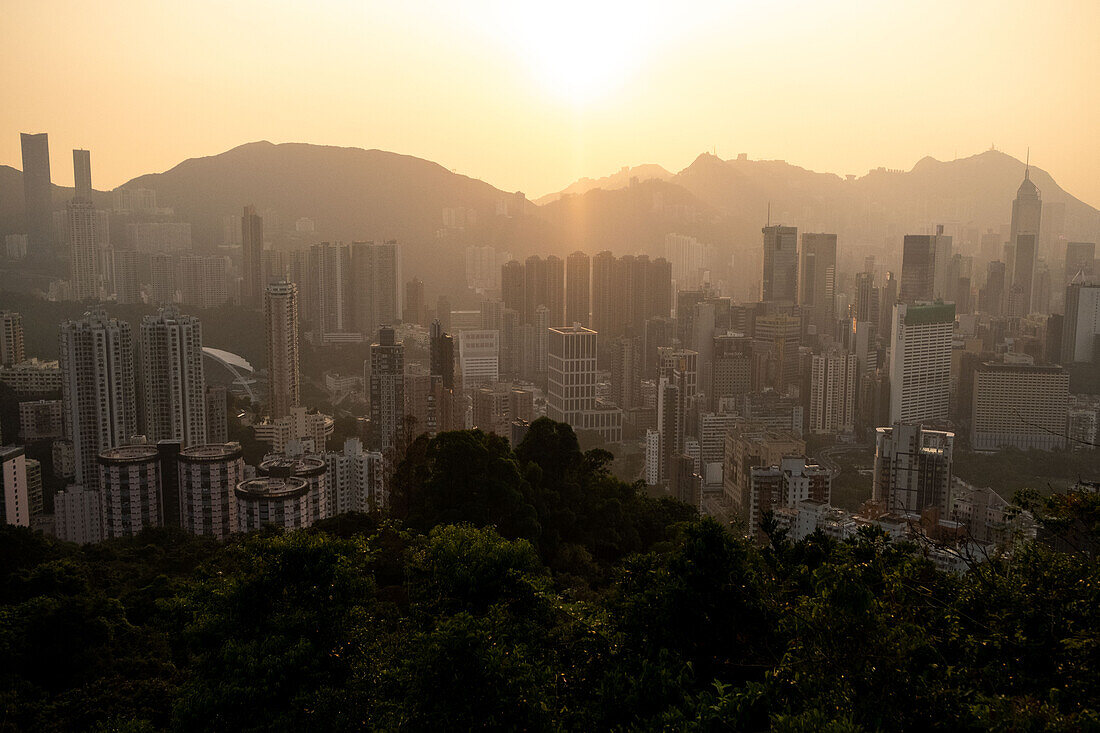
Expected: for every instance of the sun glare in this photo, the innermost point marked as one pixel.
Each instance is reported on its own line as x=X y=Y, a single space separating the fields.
x=581 y=51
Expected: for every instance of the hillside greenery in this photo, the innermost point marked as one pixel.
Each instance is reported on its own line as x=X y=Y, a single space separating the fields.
x=531 y=589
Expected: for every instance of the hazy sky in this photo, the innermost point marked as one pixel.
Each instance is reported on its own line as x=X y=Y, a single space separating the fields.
x=530 y=96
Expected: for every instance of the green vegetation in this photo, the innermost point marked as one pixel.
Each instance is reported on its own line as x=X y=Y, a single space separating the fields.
x=1011 y=470
x=531 y=589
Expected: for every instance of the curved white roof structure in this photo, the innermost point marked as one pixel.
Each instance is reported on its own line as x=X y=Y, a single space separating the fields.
x=236 y=364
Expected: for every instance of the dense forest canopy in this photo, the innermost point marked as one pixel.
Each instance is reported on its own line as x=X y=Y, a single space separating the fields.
x=530 y=589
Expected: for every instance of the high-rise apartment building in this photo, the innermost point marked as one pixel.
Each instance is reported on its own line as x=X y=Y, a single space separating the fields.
x=173 y=385
x=77 y=515
x=1081 y=327
x=779 y=283
x=626 y=372
x=37 y=192
x=11 y=338
x=784 y=484
x=912 y=468
x=376 y=280
x=252 y=248
x=833 y=380
x=920 y=362
x=15 y=502
x=415 y=310
x=1019 y=406
x=84 y=259
x=330 y=289
x=387 y=388
x=129 y=484
x=817 y=280
x=571 y=383
x=281 y=329
x=217 y=407
x=208 y=474
x=578 y=286
x=96 y=354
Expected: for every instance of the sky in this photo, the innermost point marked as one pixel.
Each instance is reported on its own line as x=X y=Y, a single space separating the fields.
x=531 y=96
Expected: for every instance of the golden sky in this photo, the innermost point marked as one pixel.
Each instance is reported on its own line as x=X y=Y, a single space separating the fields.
x=530 y=96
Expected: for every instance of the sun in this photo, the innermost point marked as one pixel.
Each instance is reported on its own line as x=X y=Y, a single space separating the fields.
x=580 y=51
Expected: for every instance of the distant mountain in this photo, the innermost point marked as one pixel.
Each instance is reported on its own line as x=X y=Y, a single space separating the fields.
x=615 y=181
x=350 y=193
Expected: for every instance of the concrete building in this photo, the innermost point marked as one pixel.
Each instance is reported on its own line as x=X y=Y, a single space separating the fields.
x=784 y=484
x=313 y=470
x=776 y=340
x=85 y=276
x=266 y=500
x=40 y=420
x=578 y=288
x=387 y=388
x=32 y=376
x=15 y=507
x=203 y=281
x=252 y=247
x=281 y=328
x=129 y=481
x=1027 y=210
x=376 y=285
x=753 y=444
x=779 y=283
x=1019 y=406
x=571 y=384
x=98 y=399
x=309 y=428
x=912 y=468
x=924 y=265
x=479 y=358
x=172 y=380
x=920 y=361
x=77 y=515
x=817 y=281
x=1081 y=327
x=11 y=338
x=35 y=497
x=833 y=382
x=626 y=372
x=217 y=423
x=37 y=192
x=208 y=475
x=356 y=479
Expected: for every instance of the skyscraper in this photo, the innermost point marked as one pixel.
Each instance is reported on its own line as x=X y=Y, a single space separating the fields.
x=1027 y=210
x=387 y=388
x=281 y=328
x=817 y=280
x=331 y=289
x=912 y=468
x=920 y=362
x=1019 y=405
x=603 y=294
x=1081 y=328
x=37 y=191
x=11 y=338
x=924 y=262
x=172 y=381
x=776 y=338
x=84 y=235
x=779 y=283
x=578 y=283
x=415 y=310
x=252 y=247
x=626 y=372
x=82 y=174
x=833 y=392
x=511 y=287
x=376 y=272
x=571 y=383
x=96 y=354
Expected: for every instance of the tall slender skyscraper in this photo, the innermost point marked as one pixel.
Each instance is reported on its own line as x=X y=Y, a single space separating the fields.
x=252 y=248
x=779 y=283
x=173 y=386
x=511 y=286
x=603 y=293
x=96 y=355
x=578 y=283
x=37 y=191
x=281 y=327
x=82 y=174
x=817 y=280
x=924 y=262
x=1027 y=210
x=387 y=388
x=84 y=278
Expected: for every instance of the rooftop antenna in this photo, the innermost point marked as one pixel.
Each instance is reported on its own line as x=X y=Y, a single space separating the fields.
x=769 y=213
x=1027 y=164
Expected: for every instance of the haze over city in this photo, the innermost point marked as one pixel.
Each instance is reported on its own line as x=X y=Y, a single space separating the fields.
x=570 y=366
x=531 y=97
